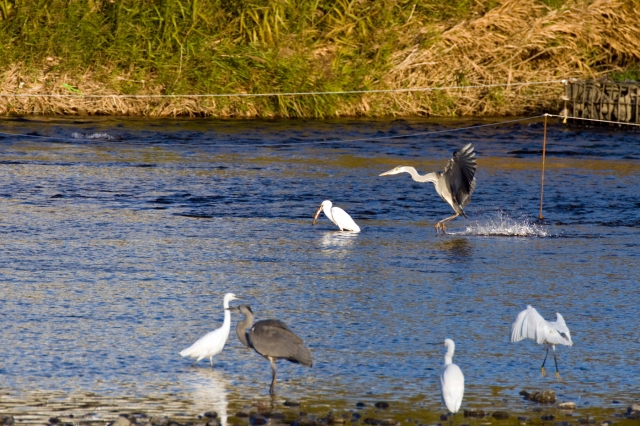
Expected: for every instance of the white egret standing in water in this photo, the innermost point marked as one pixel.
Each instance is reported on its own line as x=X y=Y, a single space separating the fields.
x=451 y=381
x=455 y=184
x=337 y=216
x=213 y=342
x=530 y=325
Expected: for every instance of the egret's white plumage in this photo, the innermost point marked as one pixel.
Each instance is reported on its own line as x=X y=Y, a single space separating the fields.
x=531 y=325
x=451 y=380
x=212 y=343
x=337 y=216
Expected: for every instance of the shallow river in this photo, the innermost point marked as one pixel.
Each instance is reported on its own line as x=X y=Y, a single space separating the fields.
x=120 y=237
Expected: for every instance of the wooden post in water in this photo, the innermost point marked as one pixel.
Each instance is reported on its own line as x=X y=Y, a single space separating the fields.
x=544 y=152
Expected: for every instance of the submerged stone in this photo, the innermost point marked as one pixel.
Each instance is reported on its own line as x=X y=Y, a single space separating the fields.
x=258 y=420
x=500 y=415
x=121 y=421
x=567 y=405
x=546 y=396
x=474 y=412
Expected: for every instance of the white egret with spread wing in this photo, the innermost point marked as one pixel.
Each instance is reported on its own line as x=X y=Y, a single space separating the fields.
x=451 y=380
x=531 y=325
x=455 y=184
x=213 y=342
x=272 y=339
x=337 y=216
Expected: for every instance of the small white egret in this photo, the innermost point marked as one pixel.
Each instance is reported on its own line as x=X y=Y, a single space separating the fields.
x=213 y=342
x=530 y=325
x=337 y=216
x=454 y=185
x=451 y=380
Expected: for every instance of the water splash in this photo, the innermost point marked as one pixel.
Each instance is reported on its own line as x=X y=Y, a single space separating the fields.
x=504 y=225
x=78 y=135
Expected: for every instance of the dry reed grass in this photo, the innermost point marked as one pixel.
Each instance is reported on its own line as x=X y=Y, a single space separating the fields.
x=518 y=41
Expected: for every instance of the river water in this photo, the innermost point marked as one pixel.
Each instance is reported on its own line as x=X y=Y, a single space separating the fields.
x=120 y=237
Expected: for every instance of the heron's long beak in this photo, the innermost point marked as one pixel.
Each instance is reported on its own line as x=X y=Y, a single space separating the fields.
x=386 y=173
x=315 y=217
x=235 y=308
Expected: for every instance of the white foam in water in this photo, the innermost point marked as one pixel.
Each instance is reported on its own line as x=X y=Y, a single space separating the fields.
x=505 y=226
x=77 y=135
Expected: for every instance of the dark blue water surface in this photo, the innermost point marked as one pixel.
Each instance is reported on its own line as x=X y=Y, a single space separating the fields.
x=120 y=237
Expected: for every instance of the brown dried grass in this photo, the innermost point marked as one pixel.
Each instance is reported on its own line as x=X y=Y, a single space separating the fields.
x=517 y=42
x=520 y=41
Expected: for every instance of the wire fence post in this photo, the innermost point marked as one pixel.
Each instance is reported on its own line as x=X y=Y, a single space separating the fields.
x=544 y=152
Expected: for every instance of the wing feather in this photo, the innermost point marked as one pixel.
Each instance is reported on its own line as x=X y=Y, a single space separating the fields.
x=529 y=325
x=273 y=338
x=460 y=175
x=342 y=219
x=452 y=385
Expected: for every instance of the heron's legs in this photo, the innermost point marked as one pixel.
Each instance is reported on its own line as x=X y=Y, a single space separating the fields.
x=273 y=380
x=211 y=361
x=441 y=224
x=545 y=360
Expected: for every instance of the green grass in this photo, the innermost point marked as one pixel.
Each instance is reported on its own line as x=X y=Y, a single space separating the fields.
x=223 y=46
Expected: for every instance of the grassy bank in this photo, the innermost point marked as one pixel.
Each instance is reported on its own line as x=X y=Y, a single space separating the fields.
x=178 y=47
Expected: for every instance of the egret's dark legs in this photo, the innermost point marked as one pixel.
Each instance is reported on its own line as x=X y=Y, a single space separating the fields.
x=273 y=380
x=554 y=358
x=545 y=360
x=441 y=225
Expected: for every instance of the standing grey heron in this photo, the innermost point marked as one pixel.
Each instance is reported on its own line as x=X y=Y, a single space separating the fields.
x=272 y=339
x=213 y=342
x=451 y=380
x=337 y=216
x=455 y=184
x=531 y=325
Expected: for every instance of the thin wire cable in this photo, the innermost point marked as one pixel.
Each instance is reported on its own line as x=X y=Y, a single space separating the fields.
x=244 y=95
x=564 y=117
x=316 y=142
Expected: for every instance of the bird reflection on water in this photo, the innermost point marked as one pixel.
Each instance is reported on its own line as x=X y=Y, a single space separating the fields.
x=209 y=389
x=455 y=248
x=337 y=242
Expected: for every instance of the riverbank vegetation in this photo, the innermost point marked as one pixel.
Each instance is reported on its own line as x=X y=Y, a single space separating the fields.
x=197 y=47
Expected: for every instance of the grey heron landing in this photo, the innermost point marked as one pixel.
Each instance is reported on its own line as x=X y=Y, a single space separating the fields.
x=272 y=339
x=336 y=215
x=451 y=381
x=455 y=184
x=531 y=325
x=213 y=342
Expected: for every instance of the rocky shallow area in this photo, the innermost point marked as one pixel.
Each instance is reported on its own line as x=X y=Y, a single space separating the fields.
x=544 y=410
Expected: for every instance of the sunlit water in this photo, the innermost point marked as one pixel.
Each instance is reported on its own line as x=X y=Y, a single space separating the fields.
x=120 y=237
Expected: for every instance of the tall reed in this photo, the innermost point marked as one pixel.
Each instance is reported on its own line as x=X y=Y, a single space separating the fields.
x=279 y=46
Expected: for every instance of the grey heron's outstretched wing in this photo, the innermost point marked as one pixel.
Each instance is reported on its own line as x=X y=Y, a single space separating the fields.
x=273 y=338
x=459 y=175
